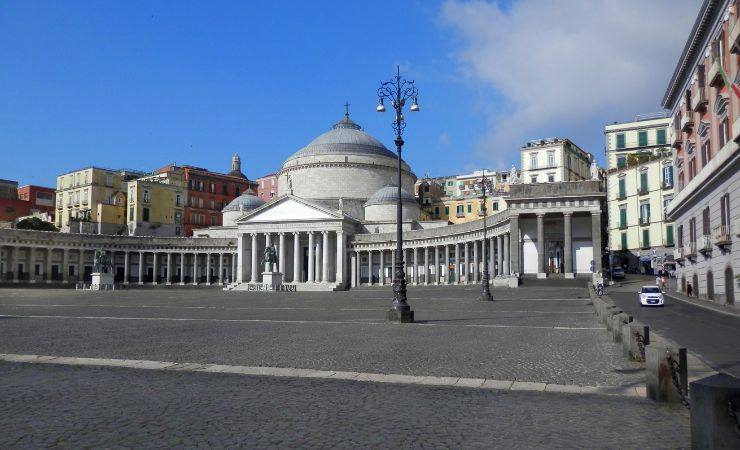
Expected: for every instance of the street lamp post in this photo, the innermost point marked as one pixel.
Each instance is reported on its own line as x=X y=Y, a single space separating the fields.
x=398 y=91
x=485 y=296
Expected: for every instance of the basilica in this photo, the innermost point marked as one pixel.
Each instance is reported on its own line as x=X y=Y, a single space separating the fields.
x=333 y=228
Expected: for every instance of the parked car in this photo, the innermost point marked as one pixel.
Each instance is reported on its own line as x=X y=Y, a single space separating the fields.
x=618 y=273
x=650 y=296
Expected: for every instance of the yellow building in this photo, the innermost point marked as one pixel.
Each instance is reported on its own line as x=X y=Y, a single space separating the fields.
x=92 y=200
x=639 y=188
x=156 y=204
x=457 y=199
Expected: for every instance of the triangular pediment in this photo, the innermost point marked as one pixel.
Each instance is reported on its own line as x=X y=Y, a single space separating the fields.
x=289 y=208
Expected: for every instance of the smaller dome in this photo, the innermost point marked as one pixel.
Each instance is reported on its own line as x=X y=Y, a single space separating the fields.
x=249 y=202
x=389 y=195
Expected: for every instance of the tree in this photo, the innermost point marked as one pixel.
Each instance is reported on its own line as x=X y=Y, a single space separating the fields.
x=34 y=223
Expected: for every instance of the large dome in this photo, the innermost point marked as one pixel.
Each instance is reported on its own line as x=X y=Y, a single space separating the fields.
x=389 y=195
x=346 y=164
x=345 y=137
x=239 y=206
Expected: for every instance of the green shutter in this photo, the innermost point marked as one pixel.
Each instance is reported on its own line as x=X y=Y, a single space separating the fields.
x=622 y=217
x=624 y=241
x=145 y=214
x=643 y=182
x=669 y=235
x=642 y=138
x=661 y=136
x=621 y=161
x=447 y=210
x=620 y=140
x=622 y=188
x=646 y=237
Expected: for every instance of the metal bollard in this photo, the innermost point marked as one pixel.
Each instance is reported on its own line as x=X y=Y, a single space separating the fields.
x=619 y=320
x=635 y=337
x=715 y=412
x=666 y=374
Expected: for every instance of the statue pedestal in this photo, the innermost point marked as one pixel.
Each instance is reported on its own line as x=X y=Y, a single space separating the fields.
x=272 y=279
x=101 y=281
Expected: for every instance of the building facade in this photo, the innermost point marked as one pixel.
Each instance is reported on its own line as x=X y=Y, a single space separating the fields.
x=155 y=204
x=457 y=198
x=703 y=101
x=267 y=187
x=209 y=192
x=554 y=160
x=640 y=181
x=93 y=200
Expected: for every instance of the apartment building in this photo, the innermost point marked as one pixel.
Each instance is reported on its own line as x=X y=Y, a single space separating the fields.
x=457 y=198
x=553 y=160
x=156 y=204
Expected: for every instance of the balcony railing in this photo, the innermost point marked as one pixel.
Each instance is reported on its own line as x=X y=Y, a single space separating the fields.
x=622 y=225
x=667 y=185
x=699 y=99
x=669 y=243
x=715 y=77
x=645 y=244
x=645 y=220
x=722 y=235
x=621 y=195
x=643 y=190
x=678 y=253
x=705 y=243
x=686 y=123
x=689 y=250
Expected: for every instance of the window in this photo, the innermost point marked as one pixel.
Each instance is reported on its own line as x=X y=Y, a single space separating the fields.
x=692 y=168
x=191 y=201
x=642 y=140
x=84 y=198
x=213 y=204
x=646 y=238
x=426 y=188
x=551 y=178
x=622 y=188
x=460 y=210
x=724 y=132
x=436 y=211
x=660 y=136
x=213 y=188
x=495 y=206
x=620 y=140
x=178 y=199
x=645 y=213
x=643 y=182
x=450 y=183
x=623 y=216
x=178 y=217
x=624 y=241
x=190 y=184
x=692 y=230
x=724 y=211
x=145 y=215
x=224 y=189
x=200 y=202
x=237 y=191
x=470 y=208
x=533 y=160
x=668 y=176
x=669 y=235
x=666 y=201
x=108 y=180
x=447 y=211
x=705 y=153
x=534 y=178
x=550 y=159
x=146 y=195
x=705 y=223
x=178 y=231
x=200 y=186
x=680 y=235
x=213 y=220
x=621 y=161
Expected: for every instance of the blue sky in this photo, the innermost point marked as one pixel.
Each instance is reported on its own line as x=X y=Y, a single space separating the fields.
x=143 y=84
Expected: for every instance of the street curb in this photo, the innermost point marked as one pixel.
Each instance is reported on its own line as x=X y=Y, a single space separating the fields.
x=290 y=372
x=706 y=307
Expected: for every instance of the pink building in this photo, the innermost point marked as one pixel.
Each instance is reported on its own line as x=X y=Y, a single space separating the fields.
x=267 y=187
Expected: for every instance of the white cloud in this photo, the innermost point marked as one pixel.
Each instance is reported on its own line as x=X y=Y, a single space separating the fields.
x=444 y=139
x=567 y=67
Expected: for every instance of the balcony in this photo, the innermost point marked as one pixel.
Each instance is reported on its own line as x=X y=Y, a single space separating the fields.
x=686 y=123
x=645 y=220
x=699 y=100
x=722 y=236
x=666 y=185
x=678 y=253
x=689 y=250
x=645 y=245
x=643 y=190
x=668 y=243
x=705 y=244
x=715 y=77
x=621 y=196
x=622 y=225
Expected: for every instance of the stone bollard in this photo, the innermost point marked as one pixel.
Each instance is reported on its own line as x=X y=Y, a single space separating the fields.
x=597 y=302
x=714 y=402
x=635 y=337
x=619 y=320
x=659 y=384
x=608 y=317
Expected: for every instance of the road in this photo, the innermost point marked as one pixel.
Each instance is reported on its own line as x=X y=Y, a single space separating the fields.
x=714 y=336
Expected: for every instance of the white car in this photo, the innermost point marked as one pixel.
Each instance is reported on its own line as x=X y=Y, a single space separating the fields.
x=650 y=296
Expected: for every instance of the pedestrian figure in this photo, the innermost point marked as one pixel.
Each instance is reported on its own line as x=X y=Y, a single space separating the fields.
x=689 y=289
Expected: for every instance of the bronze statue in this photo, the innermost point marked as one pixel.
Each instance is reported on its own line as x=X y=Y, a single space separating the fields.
x=270 y=256
x=101 y=262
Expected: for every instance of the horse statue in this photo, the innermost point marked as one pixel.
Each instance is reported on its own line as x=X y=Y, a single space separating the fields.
x=101 y=262
x=270 y=257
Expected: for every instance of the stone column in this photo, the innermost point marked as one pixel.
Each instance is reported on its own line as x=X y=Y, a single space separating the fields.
x=195 y=269
x=353 y=269
x=415 y=272
x=483 y=259
x=47 y=268
x=281 y=254
x=169 y=279
x=447 y=264
x=596 y=239
x=311 y=257
x=467 y=264
x=253 y=277
x=208 y=269
x=568 y=246
x=501 y=245
x=14 y=263
x=393 y=266
x=340 y=258
x=296 y=257
x=317 y=263
x=369 y=267
x=234 y=261
x=437 y=278
x=126 y=263
x=475 y=261
x=458 y=266
x=426 y=265
x=141 y=267
x=221 y=269
x=381 y=268
x=182 y=268
x=268 y=242
x=154 y=269
x=492 y=257
x=515 y=263
x=325 y=257
x=81 y=266
x=541 y=272
x=65 y=266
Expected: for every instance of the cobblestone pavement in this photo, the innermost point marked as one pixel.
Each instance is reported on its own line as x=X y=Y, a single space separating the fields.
x=541 y=334
x=46 y=405
x=714 y=336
